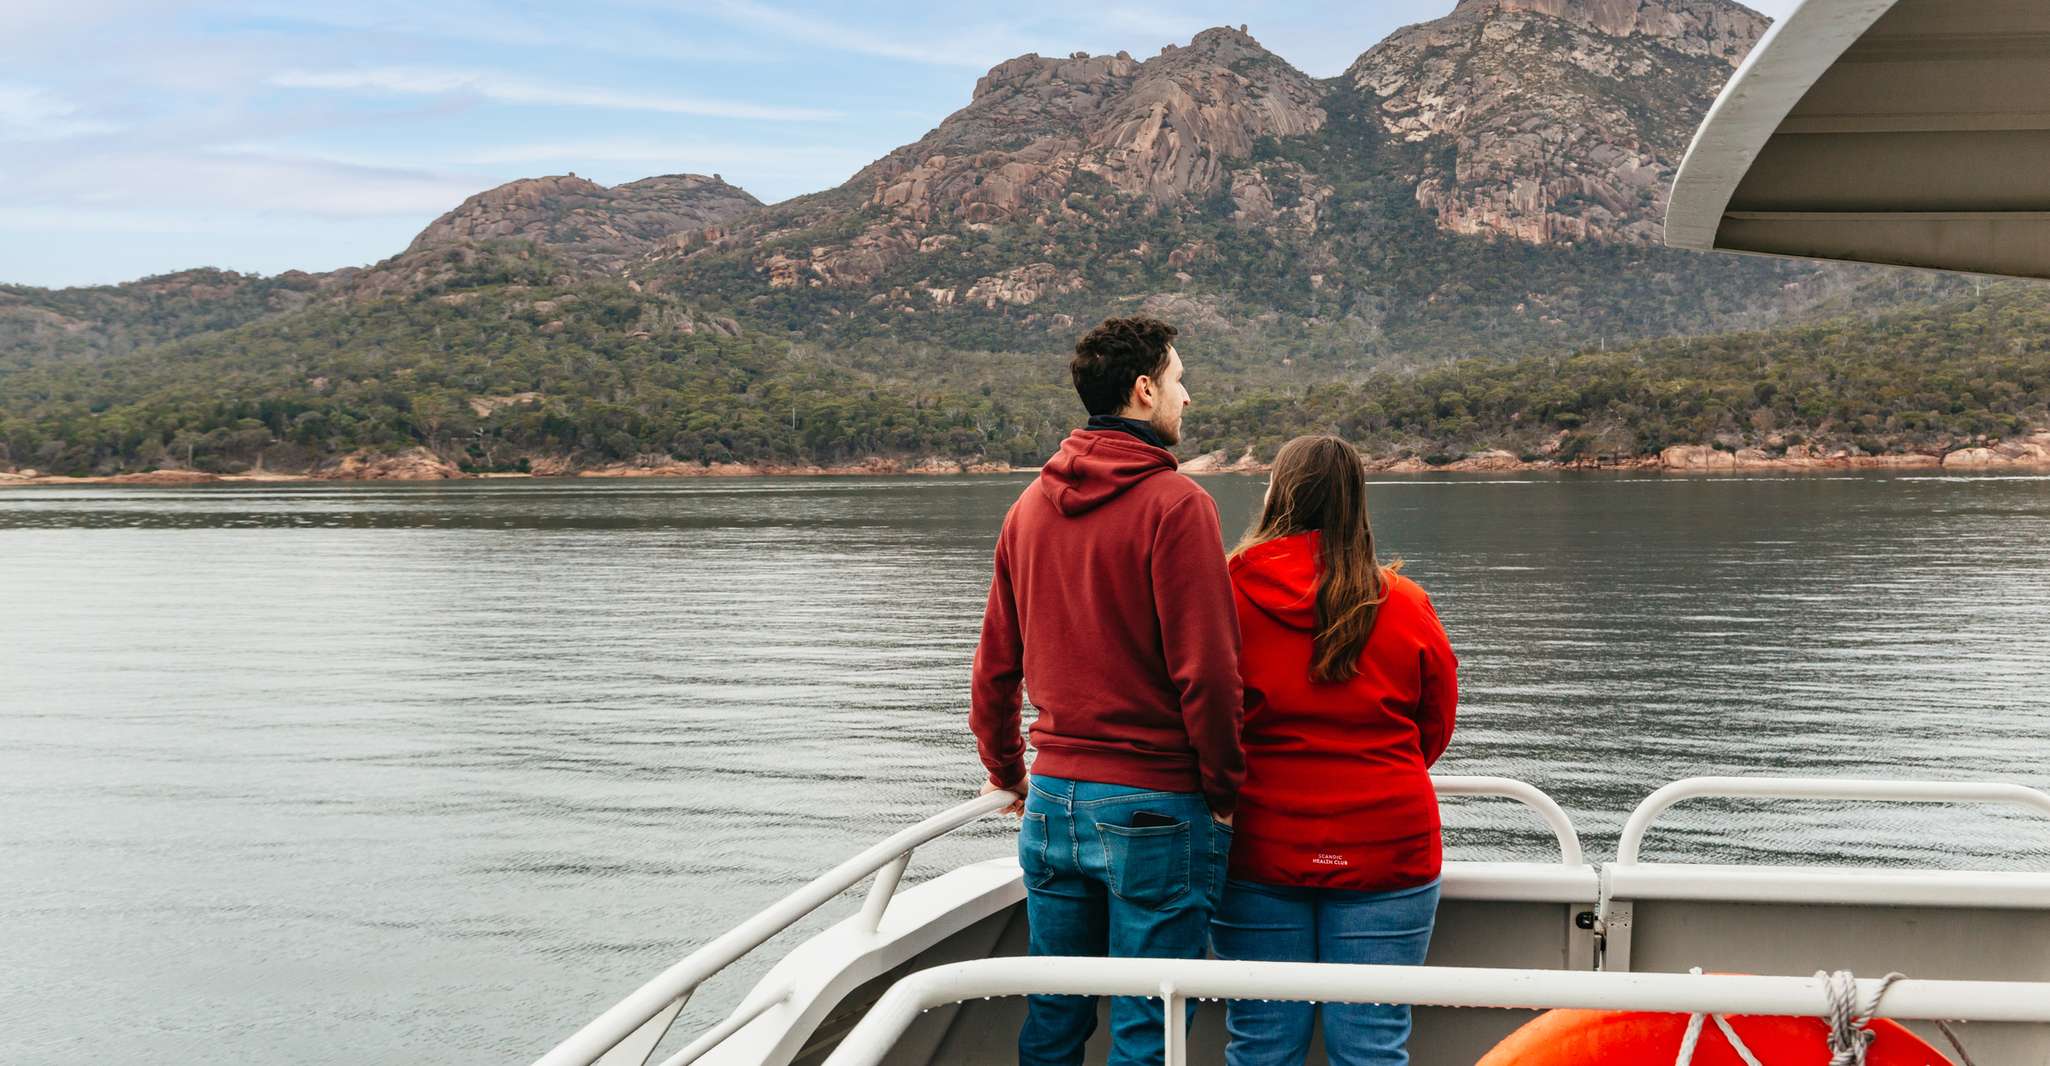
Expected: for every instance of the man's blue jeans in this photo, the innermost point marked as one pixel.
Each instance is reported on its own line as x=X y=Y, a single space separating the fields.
x=1274 y=923
x=1096 y=885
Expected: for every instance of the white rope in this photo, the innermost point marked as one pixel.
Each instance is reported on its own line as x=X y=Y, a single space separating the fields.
x=1693 y=1037
x=1687 y=1042
x=1850 y=1029
x=1742 y=1051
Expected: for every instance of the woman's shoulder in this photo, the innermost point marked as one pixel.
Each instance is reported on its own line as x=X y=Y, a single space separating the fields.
x=1407 y=597
x=1401 y=586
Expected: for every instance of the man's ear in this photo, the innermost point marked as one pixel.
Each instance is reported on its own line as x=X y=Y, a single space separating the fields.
x=1143 y=390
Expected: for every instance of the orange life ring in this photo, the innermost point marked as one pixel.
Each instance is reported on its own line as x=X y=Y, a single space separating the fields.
x=1629 y=1038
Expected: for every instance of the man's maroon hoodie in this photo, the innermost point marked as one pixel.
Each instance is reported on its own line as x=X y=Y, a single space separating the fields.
x=1112 y=605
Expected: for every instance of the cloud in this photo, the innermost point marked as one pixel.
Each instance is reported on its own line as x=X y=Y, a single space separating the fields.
x=166 y=182
x=694 y=155
x=976 y=50
x=31 y=114
x=589 y=29
x=34 y=23
x=513 y=90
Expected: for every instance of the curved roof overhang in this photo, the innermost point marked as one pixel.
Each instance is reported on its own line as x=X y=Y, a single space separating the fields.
x=1908 y=132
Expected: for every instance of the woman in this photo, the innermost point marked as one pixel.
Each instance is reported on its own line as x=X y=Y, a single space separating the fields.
x=1350 y=686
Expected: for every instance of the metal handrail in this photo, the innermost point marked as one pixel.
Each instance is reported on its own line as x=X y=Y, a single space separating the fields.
x=645 y=1004
x=886 y=861
x=1833 y=788
x=1523 y=792
x=1175 y=981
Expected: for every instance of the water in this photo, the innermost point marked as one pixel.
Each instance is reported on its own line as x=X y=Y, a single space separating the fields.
x=433 y=773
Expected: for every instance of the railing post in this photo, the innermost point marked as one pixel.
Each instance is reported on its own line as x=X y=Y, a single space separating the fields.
x=880 y=891
x=1175 y=1040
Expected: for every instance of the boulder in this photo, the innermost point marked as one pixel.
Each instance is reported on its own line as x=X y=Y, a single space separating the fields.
x=1492 y=459
x=1696 y=457
x=413 y=464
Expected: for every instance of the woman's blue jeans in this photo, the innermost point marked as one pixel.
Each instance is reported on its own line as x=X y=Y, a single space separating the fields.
x=1275 y=923
x=1096 y=885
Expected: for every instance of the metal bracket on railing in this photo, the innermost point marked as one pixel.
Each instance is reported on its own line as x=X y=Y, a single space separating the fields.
x=1822 y=788
x=1523 y=792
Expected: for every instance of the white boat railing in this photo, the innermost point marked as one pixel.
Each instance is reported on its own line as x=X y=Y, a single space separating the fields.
x=1818 y=788
x=630 y=1029
x=627 y=1033
x=1547 y=808
x=1178 y=981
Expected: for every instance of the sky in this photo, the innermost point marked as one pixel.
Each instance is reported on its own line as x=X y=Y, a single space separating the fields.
x=143 y=136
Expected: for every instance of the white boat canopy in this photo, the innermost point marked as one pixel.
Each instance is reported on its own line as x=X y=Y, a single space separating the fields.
x=1910 y=132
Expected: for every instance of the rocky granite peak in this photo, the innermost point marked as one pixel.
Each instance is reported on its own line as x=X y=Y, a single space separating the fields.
x=1567 y=117
x=1714 y=28
x=588 y=222
x=1160 y=129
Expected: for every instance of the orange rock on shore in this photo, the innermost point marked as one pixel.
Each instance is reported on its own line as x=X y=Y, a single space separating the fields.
x=871 y=467
x=413 y=464
x=165 y=477
x=2030 y=452
x=1217 y=463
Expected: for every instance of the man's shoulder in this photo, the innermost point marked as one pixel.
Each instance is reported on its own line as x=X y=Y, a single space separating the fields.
x=1171 y=488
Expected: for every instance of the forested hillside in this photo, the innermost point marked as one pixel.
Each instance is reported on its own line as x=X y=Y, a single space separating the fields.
x=498 y=368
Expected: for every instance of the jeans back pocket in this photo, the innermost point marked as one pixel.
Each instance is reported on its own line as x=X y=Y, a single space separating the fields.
x=1032 y=843
x=1148 y=865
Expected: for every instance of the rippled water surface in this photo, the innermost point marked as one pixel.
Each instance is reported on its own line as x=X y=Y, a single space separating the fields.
x=431 y=774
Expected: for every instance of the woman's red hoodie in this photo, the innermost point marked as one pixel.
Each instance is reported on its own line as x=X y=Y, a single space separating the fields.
x=1338 y=788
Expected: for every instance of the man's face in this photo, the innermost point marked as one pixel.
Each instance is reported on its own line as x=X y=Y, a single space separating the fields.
x=1169 y=400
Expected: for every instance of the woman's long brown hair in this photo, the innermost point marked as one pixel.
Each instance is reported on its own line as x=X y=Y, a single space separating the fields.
x=1319 y=484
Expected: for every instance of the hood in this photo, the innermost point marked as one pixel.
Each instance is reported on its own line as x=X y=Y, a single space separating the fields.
x=1280 y=578
x=1096 y=466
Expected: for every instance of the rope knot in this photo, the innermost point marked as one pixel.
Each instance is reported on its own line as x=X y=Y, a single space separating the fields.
x=1850 y=1028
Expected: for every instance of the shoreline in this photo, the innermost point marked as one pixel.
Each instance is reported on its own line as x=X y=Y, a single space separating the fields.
x=2026 y=454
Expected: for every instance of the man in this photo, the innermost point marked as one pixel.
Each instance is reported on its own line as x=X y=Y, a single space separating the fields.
x=1112 y=606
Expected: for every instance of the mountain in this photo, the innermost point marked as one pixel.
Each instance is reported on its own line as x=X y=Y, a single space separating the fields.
x=1161 y=132
x=94 y=321
x=587 y=223
x=1479 y=190
x=1566 y=119
x=1486 y=183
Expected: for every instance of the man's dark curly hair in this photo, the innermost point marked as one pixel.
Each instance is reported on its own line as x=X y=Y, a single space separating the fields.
x=1114 y=355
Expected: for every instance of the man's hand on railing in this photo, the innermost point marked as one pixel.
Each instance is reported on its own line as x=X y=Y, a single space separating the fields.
x=1015 y=809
